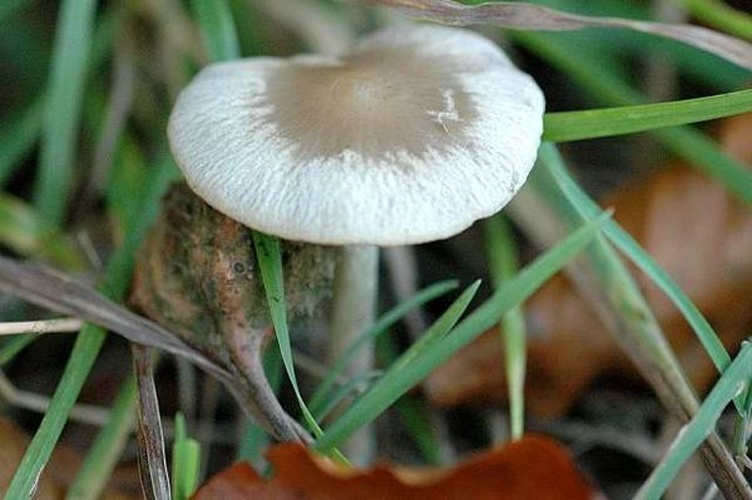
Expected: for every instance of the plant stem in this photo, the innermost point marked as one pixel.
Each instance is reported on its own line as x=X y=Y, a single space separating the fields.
x=503 y=264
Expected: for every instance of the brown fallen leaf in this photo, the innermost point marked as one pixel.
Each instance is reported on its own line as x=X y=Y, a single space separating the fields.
x=196 y=274
x=533 y=467
x=698 y=232
x=13 y=444
x=58 y=474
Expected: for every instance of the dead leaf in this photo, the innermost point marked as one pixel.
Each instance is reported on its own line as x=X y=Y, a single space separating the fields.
x=519 y=15
x=57 y=475
x=560 y=364
x=197 y=275
x=699 y=233
x=533 y=467
x=13 y=444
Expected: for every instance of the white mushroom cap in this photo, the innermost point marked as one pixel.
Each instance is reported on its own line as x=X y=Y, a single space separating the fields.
x=411 y=137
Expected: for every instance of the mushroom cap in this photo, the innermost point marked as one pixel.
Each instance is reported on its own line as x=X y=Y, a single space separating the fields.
x=410 y=137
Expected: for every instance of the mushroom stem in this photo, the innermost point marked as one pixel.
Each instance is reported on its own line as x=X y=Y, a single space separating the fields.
x=354 y=308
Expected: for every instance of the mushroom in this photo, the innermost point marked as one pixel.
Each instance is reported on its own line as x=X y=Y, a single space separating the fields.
x=411 y=137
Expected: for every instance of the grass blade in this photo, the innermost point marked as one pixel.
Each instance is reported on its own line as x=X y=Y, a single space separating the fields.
x=186 y=458
x=382 y=325
x=412 y=409
x=63 y=113
x=391 y=385
x=690 y=437
x=358 y=383
x=82 y=358
x=624 y=241
x=14 y=346
x=95 y=472
x=270 y=263
x=606 y=86
x=412 y=369
x=722 y=16
x=9 y=7
x=414 y=413
x=19 y=134
x=218 y=28
x=589 y=124
x=637 y=329
x=89 y=341
x=502 y=261
x=22 y=230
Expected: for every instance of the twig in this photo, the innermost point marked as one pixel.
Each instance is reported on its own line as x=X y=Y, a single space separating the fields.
x=152 y=462
x=56 y=291
x=586 y=436
x=62 y=325
x=87 y=414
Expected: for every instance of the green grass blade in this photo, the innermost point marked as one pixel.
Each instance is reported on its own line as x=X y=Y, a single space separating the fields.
x=635 y=324
x=14 y=346
x=82 y=358
x=412 y=410
x=88 y=343
x=19 y=134
x=63 y=112
x=719 y=15
x=589 y=124
x=415 y=417
x=412 y=369
x=742 y=424
x=392 y=385
x=186 y=461
x=700 y=325
x=270 y=263
x=690 y=437
x=502 y=261
x=512 y=293
x=253 y=442
x=607 y=86
x=381 y=326
x=218 y=28
x=255 y=34
x=357 y=384
x=22 y=230
x=589 y=209
x=21 y=35
x=137 y=218
x=96 y=470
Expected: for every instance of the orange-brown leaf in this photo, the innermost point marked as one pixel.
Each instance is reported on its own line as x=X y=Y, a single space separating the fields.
x=533 y=467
